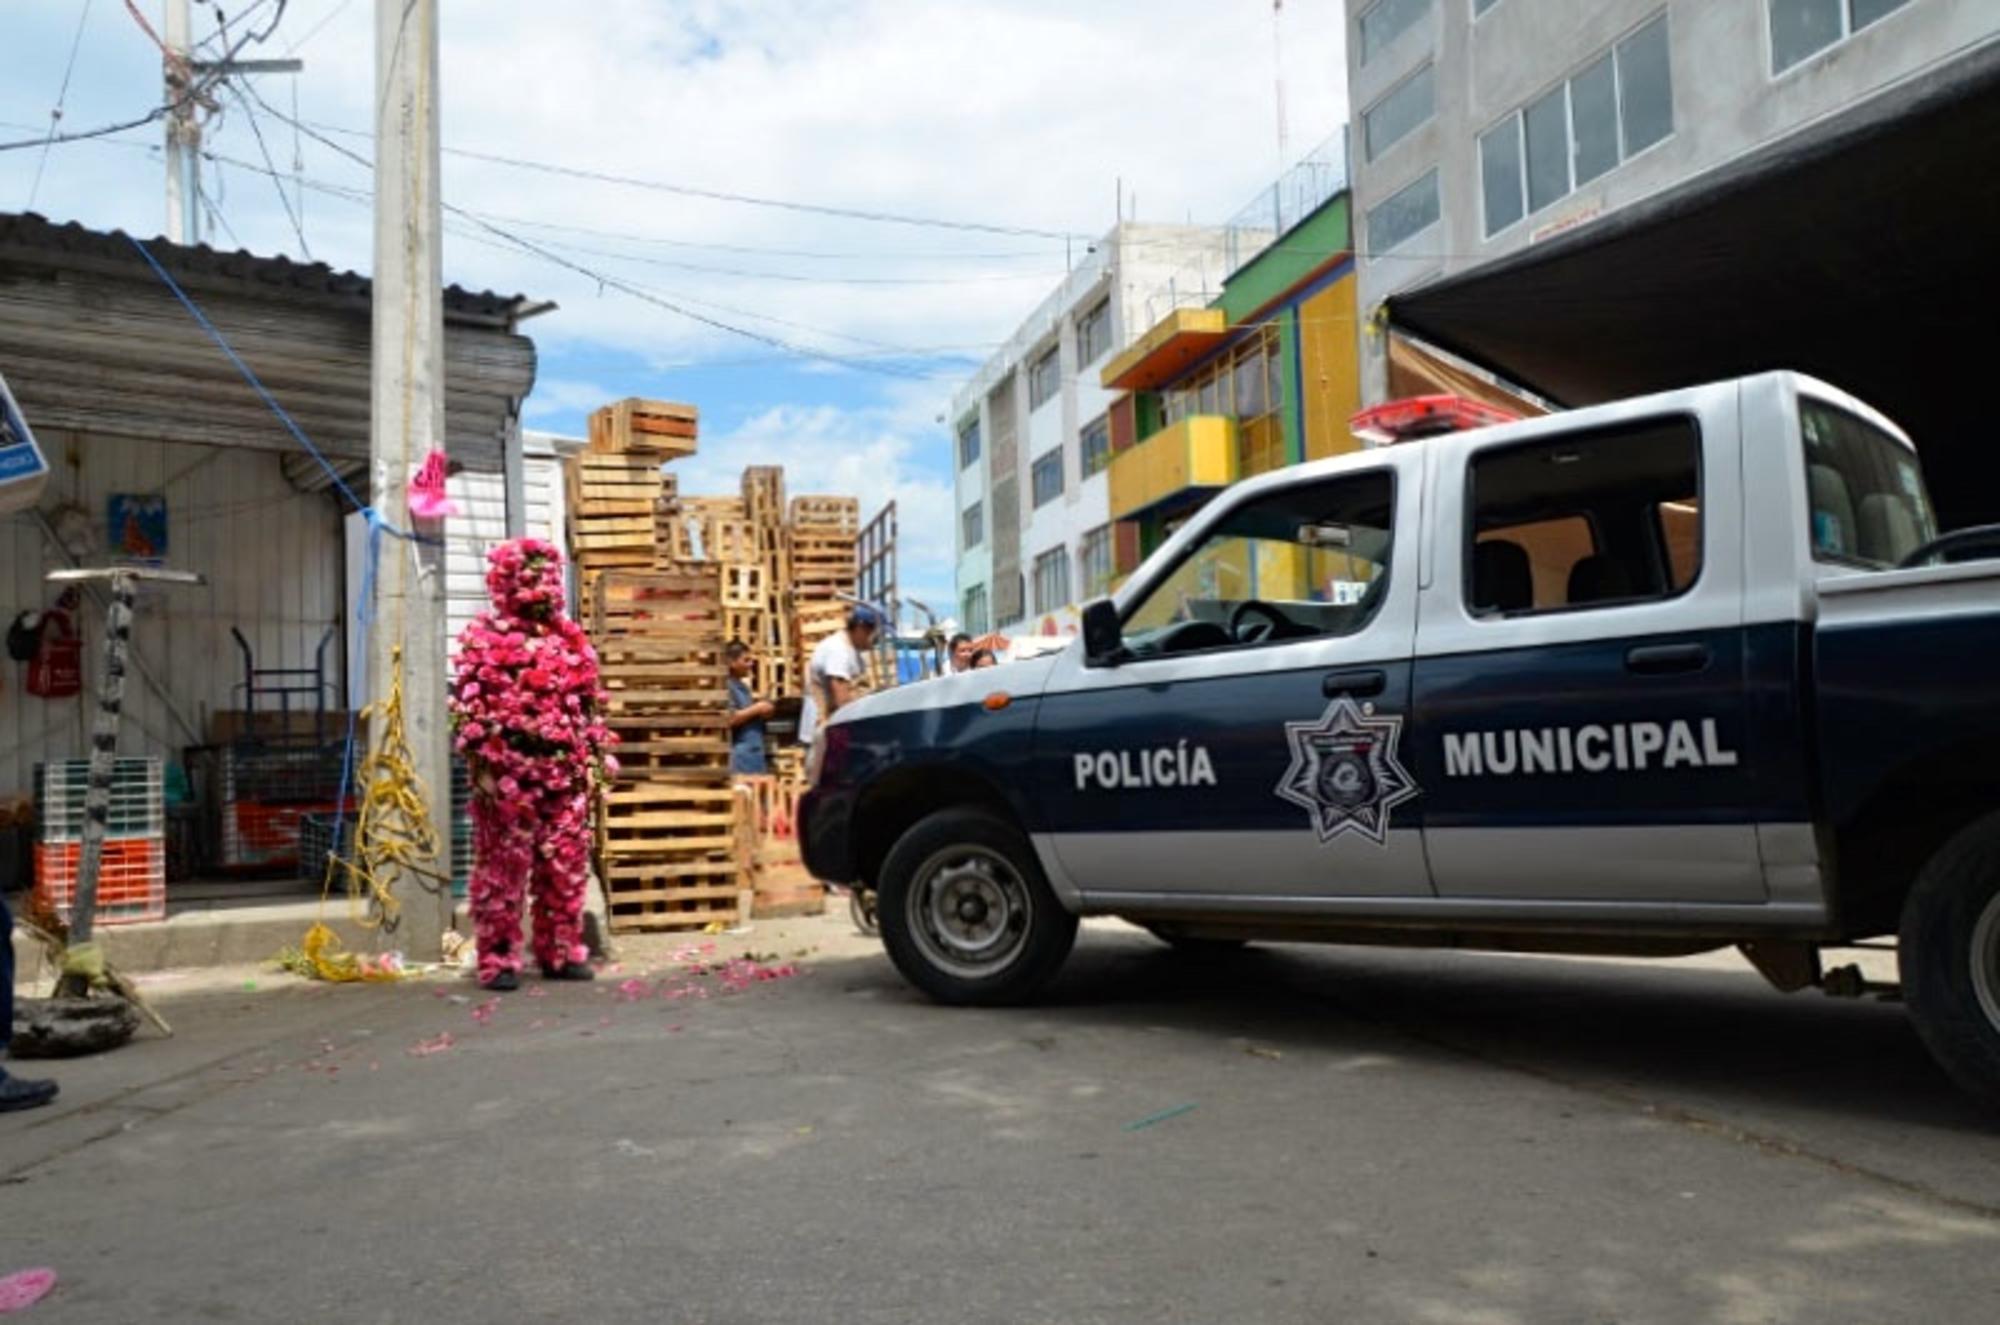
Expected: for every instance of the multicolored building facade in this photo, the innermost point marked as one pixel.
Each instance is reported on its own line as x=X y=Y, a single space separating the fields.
x=1266 y=375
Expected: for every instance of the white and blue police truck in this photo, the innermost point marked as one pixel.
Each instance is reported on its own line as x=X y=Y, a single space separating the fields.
x=1650 y=678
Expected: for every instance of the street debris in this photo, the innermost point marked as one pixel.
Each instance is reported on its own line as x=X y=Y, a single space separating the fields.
x=1262 y=1051
x=1153 y=1119
x=24 y=1288
x=437 y=1044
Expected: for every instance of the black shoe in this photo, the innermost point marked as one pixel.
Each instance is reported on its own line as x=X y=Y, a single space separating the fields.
x=17 y=1093
x=569 y=971
x=506 y=982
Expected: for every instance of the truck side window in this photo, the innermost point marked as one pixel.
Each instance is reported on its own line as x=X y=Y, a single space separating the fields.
x=1309 y=561
x=1595 y=520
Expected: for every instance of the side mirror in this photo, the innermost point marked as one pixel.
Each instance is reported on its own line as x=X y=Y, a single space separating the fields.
x=1103 y=637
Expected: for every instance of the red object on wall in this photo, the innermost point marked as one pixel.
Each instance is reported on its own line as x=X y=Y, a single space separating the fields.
x=1125 y=547
x=56 y=671
x=1124 y=423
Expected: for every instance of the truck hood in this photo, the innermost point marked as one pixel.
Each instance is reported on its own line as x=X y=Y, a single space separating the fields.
x=1025 y=679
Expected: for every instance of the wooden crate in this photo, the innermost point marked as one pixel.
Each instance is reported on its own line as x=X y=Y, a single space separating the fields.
x=747 y=624
x=649 y=427
x=685 y=603
x=730 y=541
x=841 y=515
x=662 y=681
x=764 y=495
x=613 y=485
x=670 y=821
x=695 y=749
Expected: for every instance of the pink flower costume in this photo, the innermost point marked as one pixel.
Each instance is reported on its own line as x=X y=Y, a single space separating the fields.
x=526 y=716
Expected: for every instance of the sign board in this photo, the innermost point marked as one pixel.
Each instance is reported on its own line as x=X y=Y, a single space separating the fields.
x=23 y=471
x=1346 y=593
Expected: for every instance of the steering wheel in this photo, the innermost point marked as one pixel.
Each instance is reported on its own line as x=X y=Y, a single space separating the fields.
x=1273 y=622
x=1980 y=535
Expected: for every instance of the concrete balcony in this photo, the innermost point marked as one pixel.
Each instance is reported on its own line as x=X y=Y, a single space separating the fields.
x=1198 y=454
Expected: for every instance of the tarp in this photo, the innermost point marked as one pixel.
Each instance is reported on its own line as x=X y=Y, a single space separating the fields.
x=1863 y=249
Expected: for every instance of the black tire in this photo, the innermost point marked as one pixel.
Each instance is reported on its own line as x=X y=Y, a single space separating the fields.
x=1951 y=926
x=987 y=866
x=1191 y=946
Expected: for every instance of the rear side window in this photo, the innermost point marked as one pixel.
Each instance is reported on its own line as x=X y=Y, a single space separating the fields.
x=1594 y=520
x=1869 y=504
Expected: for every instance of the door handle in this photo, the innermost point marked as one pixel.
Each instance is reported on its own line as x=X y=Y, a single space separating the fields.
x=1363 y=682
x=1661 y=659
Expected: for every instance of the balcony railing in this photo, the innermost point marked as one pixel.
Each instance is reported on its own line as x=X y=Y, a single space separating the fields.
x=1196 y=454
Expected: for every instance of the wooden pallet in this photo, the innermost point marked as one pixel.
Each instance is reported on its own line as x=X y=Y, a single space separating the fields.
x=748 y=625
x=733 y=541
x=613 y=485
x=743 y=586
x=648 y=427
x=831 y=514
x=696 y=750
x=672 y=895
x=764 y=495
x=683 y=603
x=667 y=820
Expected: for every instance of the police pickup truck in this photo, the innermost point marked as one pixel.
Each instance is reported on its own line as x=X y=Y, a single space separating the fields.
x=1650 y=678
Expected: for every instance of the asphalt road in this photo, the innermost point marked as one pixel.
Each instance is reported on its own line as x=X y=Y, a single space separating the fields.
x=1293 y=1134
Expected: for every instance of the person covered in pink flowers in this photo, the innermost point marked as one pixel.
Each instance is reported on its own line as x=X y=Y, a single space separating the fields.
x=526 y=714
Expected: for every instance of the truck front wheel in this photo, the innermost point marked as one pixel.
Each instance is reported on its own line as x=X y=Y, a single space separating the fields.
x=1949 y=952
x=966 y=913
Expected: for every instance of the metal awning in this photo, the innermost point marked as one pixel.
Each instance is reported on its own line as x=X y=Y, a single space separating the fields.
x=1860 y=249
x=94 y=344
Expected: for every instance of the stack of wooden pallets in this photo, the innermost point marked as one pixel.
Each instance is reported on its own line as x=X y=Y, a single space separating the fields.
x=819 y=553
x=667 y=827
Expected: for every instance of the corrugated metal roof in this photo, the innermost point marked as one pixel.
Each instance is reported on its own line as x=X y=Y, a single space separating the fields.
x=26 y=237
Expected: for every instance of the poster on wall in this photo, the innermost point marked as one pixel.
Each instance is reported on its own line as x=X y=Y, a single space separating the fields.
x=137 y=524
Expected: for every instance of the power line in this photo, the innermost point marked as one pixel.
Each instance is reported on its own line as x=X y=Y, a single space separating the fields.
x=277 y=180
x=318 y=27
x=744 y=199
x=62 y=96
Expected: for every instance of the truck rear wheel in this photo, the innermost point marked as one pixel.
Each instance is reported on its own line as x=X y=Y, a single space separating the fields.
x=966 y=913
x=1949 y=952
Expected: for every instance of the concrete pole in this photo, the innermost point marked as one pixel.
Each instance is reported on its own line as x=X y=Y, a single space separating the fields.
x=183 y=131
x=407 y=420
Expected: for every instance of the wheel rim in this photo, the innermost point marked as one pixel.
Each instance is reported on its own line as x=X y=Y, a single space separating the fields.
x=970 y=911
x=1986 y=961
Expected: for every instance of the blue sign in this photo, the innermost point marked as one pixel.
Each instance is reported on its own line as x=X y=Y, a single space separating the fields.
x=22 y=468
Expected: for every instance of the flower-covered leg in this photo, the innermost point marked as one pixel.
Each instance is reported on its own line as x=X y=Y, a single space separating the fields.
x=562 y=865
x=503 y=860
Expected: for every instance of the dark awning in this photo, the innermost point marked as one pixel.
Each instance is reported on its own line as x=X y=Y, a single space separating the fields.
x=1864 y=249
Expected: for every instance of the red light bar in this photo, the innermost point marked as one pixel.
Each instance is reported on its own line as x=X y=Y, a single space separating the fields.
x=1423 y=416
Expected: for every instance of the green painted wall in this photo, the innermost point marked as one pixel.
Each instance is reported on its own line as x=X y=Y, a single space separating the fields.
x=1288 y=350
x=1311 y=243
x=1146 y=413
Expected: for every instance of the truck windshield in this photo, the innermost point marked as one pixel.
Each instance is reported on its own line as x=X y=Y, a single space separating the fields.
x=1869 y=505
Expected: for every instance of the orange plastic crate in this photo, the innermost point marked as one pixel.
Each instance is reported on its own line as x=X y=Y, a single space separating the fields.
x=131 y=881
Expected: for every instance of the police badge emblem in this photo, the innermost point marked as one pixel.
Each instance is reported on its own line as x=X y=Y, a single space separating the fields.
x=1344 y=772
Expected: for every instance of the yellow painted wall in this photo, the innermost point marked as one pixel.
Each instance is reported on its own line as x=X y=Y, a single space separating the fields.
x=1330 y=366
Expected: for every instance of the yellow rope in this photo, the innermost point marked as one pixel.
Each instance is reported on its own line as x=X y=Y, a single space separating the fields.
x=393 y=836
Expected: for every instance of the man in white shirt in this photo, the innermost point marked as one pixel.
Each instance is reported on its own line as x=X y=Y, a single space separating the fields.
x=831 y=676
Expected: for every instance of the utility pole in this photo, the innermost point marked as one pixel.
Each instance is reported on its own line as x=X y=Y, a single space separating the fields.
x=183 y=129
x=406 y=421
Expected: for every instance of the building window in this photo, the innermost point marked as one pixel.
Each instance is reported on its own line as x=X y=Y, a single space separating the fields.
x=1045 y=378
x=1244 y=383
x=1052 y=580
x=1402 y=214
x=972 y=524
x=1048 y=476
x=1803 y=28
x=968 y=442
x=1096 y=444
x=972 y=619
x=1609 y=111
x=1387 y=20
x=1400 y=112
x=1093 y=334
x=1094 y=558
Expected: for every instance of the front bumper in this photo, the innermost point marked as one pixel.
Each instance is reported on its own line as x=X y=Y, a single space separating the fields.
x=826 y=834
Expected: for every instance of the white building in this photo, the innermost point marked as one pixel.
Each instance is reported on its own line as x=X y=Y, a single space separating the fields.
x=1484 y=126
x=1031 y=439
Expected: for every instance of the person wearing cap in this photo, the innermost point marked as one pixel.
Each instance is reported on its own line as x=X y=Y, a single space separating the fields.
x=831 y=675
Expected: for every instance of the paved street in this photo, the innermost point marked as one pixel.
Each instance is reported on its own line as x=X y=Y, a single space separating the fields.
x=1290 y=1135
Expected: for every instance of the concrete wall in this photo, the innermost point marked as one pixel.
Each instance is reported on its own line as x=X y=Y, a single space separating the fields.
x=273 y=560
x=1128 y=264
x=1726 y=102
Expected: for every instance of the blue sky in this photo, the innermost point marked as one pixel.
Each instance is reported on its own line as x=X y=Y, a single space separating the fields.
x=1005 y=116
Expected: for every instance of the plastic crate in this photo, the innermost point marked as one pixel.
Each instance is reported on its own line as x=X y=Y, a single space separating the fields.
x=131 y=878
x=138 y=802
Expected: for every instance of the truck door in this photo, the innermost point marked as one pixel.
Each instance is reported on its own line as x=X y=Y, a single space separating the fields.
x=1253 y=742
x=1581 y=663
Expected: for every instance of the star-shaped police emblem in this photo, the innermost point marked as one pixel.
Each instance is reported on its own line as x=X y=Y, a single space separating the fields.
x=1345 y=773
